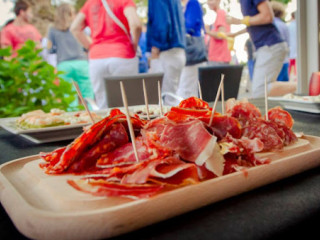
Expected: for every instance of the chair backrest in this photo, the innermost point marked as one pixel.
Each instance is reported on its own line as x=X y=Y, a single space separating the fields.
x=134 y=89
x=210 y=76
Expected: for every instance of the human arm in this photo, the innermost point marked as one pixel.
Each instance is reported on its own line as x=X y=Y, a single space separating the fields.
x=76 y=29
x=221 y=27
x=134 y=24
x=234 y=34
x=220 y=34
x=265 y=16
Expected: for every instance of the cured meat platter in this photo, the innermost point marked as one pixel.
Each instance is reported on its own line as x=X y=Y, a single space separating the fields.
x=45 y=207
x=124 y=172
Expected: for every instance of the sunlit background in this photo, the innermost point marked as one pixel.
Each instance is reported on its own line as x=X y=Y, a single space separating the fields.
x=230 y=6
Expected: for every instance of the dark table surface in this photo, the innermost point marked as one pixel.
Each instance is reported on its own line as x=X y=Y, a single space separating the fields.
x=287 y=208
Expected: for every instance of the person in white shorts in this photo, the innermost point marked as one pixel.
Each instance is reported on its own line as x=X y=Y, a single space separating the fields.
x=112 y=50
x=166 y=40
x=271 y=49
x=188 y=86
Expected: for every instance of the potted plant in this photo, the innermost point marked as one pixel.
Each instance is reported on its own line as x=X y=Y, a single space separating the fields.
x=27 y=83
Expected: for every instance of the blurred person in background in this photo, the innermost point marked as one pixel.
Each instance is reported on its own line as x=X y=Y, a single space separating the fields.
x=271 y=49
x=6 y=24
x=20 y=30
x=71 y=58
x=293 y=46
x=188 y=85
x=166 y=42
x=218 y=52
x=249 y=48
x=143 y=59
x=112 y=49
x=279 y=12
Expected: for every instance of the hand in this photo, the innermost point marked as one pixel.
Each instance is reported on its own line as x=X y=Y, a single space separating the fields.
x=222 y=35
x=155 y=52
x=230 y=34
x=232 y=20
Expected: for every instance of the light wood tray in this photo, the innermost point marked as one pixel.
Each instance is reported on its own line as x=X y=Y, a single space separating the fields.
x=45 y=207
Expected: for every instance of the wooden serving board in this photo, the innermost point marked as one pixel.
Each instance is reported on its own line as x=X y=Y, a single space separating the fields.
x=45 y=207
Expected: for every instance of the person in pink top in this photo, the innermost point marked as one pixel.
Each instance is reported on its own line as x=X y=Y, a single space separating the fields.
x=112 y=49
x=218 y=53
x=20 y=30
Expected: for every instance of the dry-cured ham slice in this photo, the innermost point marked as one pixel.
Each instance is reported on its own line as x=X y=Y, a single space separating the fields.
x=125 y=154
x=88 y=139
x=188 y=139
x=222 y=125
x=240 y=153
x=139 y=180
x=116 y=137
x=240 y=146
x=169 y=170
x=51 y=158
x=242 y=110
x=278 y=115
x=111 y=189
x=191 y=141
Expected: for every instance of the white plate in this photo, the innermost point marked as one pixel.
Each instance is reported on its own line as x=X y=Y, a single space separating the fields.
x=47 y=134
x=44 y=206
x=298 y=104
x=67 y=132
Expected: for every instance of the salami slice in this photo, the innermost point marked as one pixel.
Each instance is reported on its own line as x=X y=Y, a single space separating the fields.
x=194 y=103
x=264 y=131
x=281 y=116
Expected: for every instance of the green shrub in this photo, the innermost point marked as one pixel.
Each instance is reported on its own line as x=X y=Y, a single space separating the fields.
x=27 y=82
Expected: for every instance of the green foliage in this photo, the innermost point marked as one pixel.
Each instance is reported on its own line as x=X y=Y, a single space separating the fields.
x=79 y=4
x=283 y=1
x=27 y=82
x=141 y=3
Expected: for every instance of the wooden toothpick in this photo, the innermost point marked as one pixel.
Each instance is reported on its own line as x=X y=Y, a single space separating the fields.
x=75 y=84
x=266 y=97
x=200 y=92
x=125 y=104
x=160 y=99
x=216 y=100
x=146 y=98
x=222 y=98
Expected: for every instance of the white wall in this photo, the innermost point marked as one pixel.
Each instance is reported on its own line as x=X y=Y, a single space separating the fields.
x=5 y=11
x=308 y=42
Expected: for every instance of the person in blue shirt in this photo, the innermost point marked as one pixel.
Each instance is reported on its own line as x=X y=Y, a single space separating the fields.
x=166 y=41
x=271 y=49
x=193 y=16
